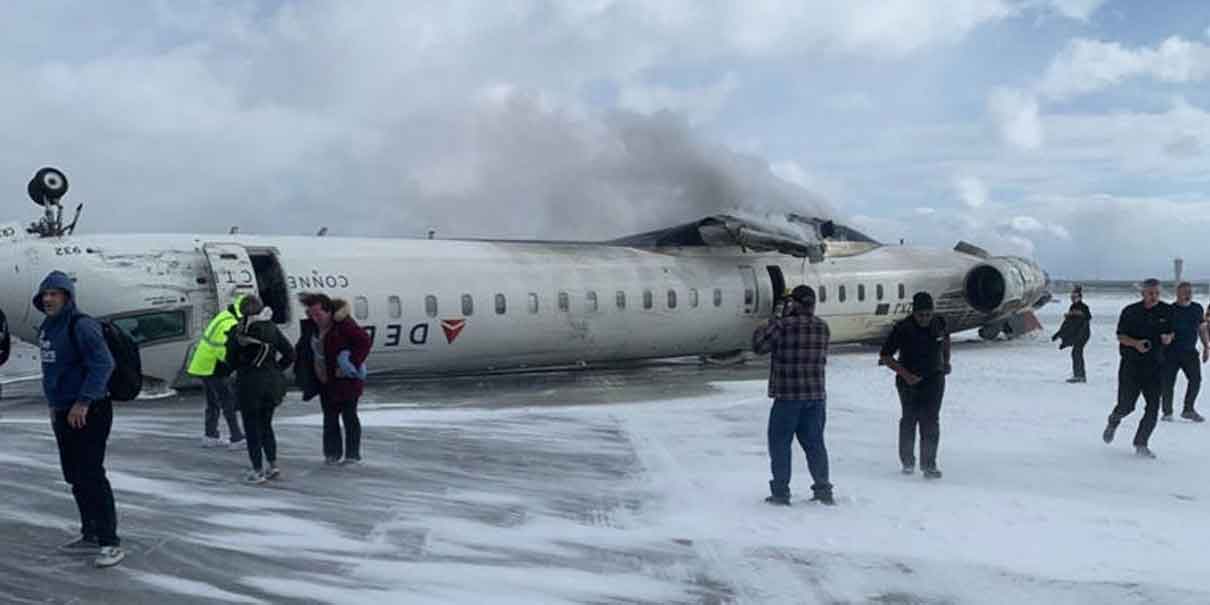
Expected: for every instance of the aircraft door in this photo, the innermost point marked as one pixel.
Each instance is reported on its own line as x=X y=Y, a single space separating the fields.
x=779 y=283
x=751 y=292
x=231 y=270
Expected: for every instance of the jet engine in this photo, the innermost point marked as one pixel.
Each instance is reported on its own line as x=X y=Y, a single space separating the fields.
x=1003 y=285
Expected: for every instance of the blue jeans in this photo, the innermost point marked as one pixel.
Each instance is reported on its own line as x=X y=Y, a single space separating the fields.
x=805 y=419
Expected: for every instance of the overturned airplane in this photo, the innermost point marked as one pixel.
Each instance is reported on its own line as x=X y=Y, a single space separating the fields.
x=444 y=305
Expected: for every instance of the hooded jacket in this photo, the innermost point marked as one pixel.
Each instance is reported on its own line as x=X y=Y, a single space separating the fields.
x=210 y=356
x=345 y=335
x=259 y=353
x=71 y=375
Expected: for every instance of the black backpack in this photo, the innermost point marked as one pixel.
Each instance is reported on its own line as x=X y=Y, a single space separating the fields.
x=127 y=378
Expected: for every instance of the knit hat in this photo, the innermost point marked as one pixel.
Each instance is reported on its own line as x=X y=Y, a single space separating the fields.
x=922 y=301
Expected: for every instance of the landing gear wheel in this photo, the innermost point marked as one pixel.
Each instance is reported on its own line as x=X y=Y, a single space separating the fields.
x=989 y=332
x=47 y=184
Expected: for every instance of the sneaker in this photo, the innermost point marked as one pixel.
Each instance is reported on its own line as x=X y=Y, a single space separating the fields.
x=109 y=556
x=331 y=460
x=778 y=500
x=931 y=473
x=824 y=499
x=80 y=546
x=1110 y=428
x=908 y=469
x=272 y=472
x=1166 y=417
x=348 y=461
x=1143 y=451
x=215 y=442
x=254 y=477
x=238 y=444
x=1192 y=415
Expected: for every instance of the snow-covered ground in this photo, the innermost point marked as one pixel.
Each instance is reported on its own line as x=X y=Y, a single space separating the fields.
x=642 y=486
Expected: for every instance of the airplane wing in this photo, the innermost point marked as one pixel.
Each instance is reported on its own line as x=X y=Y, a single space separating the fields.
x=798 y=239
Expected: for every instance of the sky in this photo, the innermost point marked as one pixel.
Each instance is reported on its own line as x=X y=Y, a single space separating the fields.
x=1076 y=132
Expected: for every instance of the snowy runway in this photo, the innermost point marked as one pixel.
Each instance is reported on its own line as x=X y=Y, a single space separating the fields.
x=523 y=494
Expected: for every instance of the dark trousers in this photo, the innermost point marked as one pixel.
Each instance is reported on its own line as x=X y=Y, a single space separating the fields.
x=82 y=457
x=921 y=405
x=258 y=422
x=1189 y=363
x=1077 y=361
x=1133 y=379
x=805 y=419
x=220 y=399
x=334 y=413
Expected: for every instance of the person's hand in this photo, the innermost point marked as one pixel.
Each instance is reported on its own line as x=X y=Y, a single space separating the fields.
x=779 y=309
x=1205 y=355
x=1166 y=339
x=948 y=368
x=78 y=416
x=1142 y=346
x=912 y=379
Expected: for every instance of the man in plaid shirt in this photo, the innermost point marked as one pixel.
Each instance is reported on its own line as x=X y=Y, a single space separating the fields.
x=798 y=341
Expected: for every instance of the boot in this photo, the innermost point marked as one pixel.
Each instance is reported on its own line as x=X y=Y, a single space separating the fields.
x=1191 y=414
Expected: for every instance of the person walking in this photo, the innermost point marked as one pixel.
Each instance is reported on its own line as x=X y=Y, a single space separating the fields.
x=209 y=363
x=798 y=343
x=331 y=352
x=1144 y=331
x=922 y=342
x=1188 y=326
x=1075 y=333
x=76 y=365
x=258 y=353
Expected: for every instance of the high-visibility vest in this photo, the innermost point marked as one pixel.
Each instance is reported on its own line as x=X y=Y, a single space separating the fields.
x=212 y=348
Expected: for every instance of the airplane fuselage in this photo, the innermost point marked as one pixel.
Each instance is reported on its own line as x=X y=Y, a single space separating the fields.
x=438 y=306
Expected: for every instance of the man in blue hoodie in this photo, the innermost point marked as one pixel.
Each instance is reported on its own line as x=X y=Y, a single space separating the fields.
x=75 y=378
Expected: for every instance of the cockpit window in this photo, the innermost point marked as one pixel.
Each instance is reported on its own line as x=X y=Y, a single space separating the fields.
x=154 y=326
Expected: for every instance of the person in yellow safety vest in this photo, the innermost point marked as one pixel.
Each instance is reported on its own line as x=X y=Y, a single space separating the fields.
x=209 y=362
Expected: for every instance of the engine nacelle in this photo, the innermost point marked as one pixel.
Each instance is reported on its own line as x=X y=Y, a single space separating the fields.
x=1003 y=285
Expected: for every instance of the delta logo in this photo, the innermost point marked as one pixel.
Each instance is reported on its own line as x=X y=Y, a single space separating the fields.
x=452 y=328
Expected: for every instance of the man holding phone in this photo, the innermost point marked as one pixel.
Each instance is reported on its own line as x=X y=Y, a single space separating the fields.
x=1144 y=332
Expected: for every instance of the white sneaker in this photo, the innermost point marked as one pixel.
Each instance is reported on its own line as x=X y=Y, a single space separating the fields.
x=215 y=442
x=109 y=556
x=254 y=477
x=272 y=472
x=237 y=445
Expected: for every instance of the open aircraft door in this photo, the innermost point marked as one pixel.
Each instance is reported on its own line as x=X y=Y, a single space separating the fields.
x=231 y=270
x=751 y=291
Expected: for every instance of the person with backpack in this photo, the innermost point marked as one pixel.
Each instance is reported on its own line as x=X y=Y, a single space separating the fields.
x=76 y=370
x=209 y=363
x=331 y=353
x=258 y=353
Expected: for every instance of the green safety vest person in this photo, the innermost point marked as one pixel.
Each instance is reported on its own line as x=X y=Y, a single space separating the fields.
x=212 y=348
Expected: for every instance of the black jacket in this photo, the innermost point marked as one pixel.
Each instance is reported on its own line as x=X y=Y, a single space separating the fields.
x=1075 y=329
x=259 y=353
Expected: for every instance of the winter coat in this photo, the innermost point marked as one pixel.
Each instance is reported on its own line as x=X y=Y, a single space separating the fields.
x=6 y=340
x=258 y=353
x=344 y=335
x=71 y=374
x=1074 y=331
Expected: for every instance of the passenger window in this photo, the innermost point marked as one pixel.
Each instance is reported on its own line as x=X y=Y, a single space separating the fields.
x=153 y=327
x=564 y=302
x=468 y=305
x=394 y=307
x=672 y=299
x=533 y=302
x=591 y=302
x=823 y=294
x=718 y=297
x=692 y=298
x=878 y=291
x=902 y=293
x=647 y=299
x=840 y=294
x=501 y=305
x=361 y=307
x=860 y=291
x=621 y=299
x=430 y=305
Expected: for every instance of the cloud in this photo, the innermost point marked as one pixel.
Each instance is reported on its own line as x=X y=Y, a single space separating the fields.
x=699 y=103
x=1015 y=113
x=1086 y=66
x=1077 y=9
x=971 y=191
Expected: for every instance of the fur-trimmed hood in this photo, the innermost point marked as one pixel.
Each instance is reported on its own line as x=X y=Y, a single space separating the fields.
x=343 y=310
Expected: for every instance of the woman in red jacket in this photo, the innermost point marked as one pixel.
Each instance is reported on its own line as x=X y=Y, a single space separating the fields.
x=331 y=353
